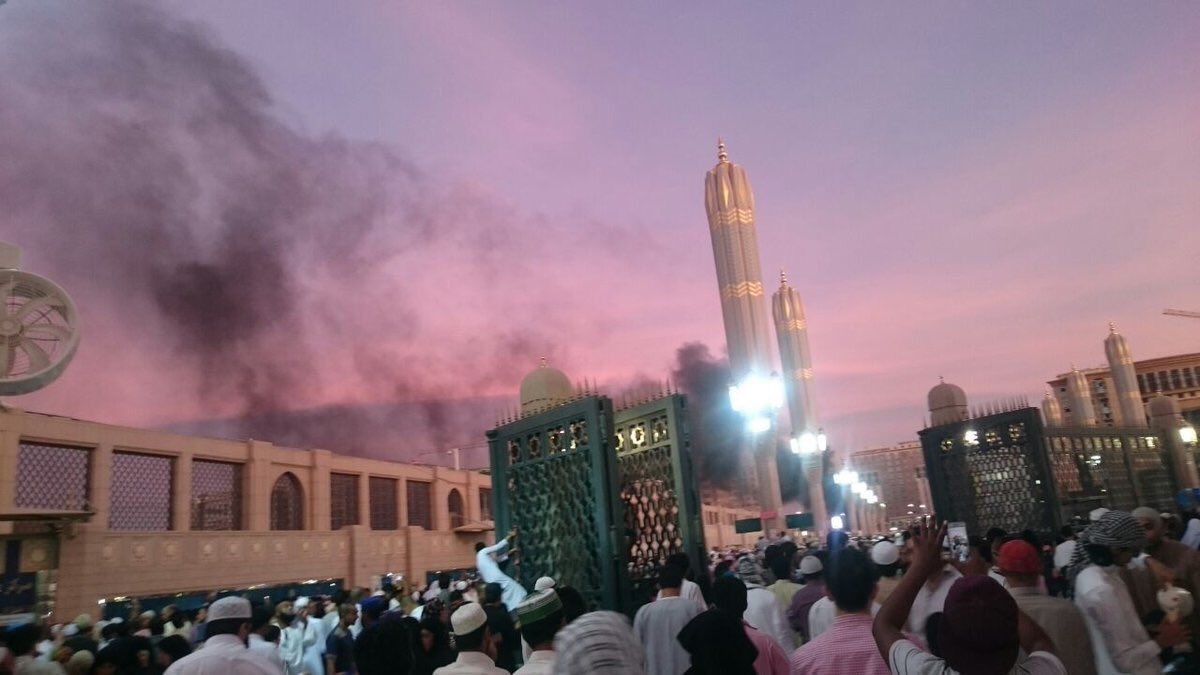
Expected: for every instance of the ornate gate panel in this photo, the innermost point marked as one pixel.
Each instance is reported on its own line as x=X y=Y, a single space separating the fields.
x=658 y=493
x=554 y=479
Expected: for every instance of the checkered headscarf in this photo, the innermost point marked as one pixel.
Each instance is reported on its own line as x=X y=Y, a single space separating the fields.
x=598 y=642
x=1118 y=529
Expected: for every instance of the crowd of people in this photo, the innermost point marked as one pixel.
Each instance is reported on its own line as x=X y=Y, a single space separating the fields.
x=1111 y=596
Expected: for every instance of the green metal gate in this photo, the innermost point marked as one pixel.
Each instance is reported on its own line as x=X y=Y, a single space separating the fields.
x=598 y=499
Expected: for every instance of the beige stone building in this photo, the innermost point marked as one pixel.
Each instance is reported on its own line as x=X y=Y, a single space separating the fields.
x=1176 y=376
x=898 y=474
x=96 y=512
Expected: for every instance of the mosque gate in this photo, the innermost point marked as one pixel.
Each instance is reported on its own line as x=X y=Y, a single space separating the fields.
x=599 y=498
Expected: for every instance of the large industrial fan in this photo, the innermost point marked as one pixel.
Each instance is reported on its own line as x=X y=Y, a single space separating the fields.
x=39 y=329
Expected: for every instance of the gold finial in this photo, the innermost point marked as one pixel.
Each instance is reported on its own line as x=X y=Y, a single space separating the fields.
x=543 y=363
x=722 y=156
x=782 y=277
x=1112 y=327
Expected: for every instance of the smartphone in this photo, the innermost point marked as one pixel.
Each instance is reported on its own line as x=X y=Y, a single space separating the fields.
x=957 y=543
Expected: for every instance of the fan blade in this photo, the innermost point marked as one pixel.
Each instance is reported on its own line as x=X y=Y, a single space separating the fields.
x=46 y=331
x=38 y=358
x=37 y=303
x=6 y=291
x=7 y=356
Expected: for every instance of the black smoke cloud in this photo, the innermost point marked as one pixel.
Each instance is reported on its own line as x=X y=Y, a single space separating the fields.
x=717 y=431
x=145 y=167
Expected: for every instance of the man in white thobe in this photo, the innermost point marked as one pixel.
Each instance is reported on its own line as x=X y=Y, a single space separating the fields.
x=511 y=592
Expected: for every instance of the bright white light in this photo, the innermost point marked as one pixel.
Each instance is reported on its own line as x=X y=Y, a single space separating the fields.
x=823 y=442
x=893 y=529
x=872 y=499
x=851 y=477
x=1095 y=457
x=882 y=504
x=758 y=424
x=806 y=444
x=836 y=523
x=1187 y=434
x=858 y=487
x=757 y=394
x=971 y=437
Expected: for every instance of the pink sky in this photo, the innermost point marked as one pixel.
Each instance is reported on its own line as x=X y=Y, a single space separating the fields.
x=970 y=191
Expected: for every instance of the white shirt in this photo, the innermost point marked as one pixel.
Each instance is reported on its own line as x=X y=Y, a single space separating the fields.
x=905 y=658
x=691 y=591
x=656 y=626
x=471 y=663
x=512 y=593
x=30 y=665
x=223 y=655
x=1118 y=637
x=1063 y=553
x=930 y=600
x=823 y=612
x=540 y=662
x=268 y=649
x=291 y=648
x=764 y=613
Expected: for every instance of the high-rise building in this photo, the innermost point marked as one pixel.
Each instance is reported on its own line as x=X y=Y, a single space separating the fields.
x=1117 y=394
x=729 y=202
x=898 y=471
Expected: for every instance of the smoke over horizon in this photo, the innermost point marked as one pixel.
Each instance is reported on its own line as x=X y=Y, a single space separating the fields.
x=230 y=266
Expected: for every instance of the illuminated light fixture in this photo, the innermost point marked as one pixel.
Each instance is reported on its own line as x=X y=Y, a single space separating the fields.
x=872 y=499
x=971 y=437
x=858 y=487
x=806 y=444
x=758 y=424
x=1096 y=457
x=882 y=504
x=1187 y=434
x=822 y=441
x=893 y=529
x=756 y=394
x=836 y=523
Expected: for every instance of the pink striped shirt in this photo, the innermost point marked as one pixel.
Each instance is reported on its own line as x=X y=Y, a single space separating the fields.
x=847 y=648
x=772 y=660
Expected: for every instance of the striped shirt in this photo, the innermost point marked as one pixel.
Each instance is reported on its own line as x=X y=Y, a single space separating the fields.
x=847 y=648
x=905 y=658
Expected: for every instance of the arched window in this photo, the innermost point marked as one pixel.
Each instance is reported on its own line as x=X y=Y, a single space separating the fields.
x=457 y=517
x=287 y=503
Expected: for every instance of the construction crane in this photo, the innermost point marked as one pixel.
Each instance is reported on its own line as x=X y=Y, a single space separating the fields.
x=1182 y=312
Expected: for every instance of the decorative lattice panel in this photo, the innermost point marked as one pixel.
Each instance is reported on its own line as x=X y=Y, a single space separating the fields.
x=52 y=477
x=420 y=503
x=216 y=495
x=141 y=492
x=287 y=503
x=554 y=480
x=1148 y=463
x=343 y=500
x=657 y=492
x=384 y=514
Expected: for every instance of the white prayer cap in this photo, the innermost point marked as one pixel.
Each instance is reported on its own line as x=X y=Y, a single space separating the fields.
x=70 y=629
x=468 y=618
x=460 y=585
x=885 y=553
x=416 y=596
x=148 y=614
x=543 y=584
x=300 y=603
x=229 y=608
x=1095 y=514
x=810 y=564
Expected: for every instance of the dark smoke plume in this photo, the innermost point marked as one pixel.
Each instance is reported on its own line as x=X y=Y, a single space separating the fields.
x=144 y=166
x=716 y=430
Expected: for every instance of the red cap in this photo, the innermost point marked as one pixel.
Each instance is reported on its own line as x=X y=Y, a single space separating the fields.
x=1018 y=557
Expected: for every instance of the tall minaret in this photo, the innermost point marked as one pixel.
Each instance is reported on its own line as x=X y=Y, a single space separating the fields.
x=730 y=205
x=1128 y=401
x=729 y=202
x=1083 y=413
x=791 y=330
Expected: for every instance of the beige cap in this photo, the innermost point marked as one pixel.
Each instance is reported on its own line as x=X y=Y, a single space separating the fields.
x=468 y=619
x=229 y=608
x=543 y=584
x=810 y=564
